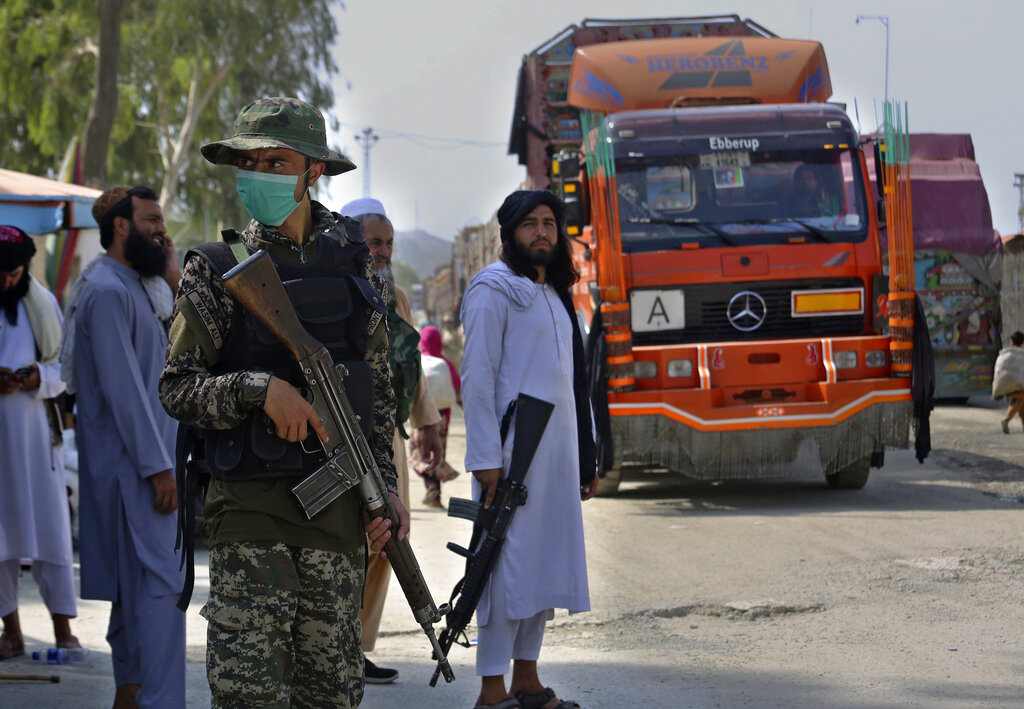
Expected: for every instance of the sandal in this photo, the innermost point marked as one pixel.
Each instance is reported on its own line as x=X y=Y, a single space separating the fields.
x=539 y=699
x=9 y=648
x=433 y=498
x=503 y=704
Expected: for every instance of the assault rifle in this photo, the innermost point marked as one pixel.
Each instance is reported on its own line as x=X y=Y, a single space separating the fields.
x=349 y=462
x=491 y=524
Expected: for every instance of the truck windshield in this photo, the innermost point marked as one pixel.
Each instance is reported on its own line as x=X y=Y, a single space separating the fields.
x=740 y=197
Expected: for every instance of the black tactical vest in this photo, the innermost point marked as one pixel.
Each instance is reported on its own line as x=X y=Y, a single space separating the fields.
x=335 y=303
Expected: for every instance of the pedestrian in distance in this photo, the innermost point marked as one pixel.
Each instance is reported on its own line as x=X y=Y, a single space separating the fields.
x=451 y=341
x=443 y=381
x=285 y=589
x=34 y=518
x=126 y=445
x=414 y=405
x=1008 y=379
x=522 y=336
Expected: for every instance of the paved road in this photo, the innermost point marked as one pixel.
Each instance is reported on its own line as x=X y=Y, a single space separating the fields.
x=741 y=594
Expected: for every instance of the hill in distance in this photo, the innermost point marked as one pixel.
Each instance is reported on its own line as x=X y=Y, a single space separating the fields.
x=423 y=252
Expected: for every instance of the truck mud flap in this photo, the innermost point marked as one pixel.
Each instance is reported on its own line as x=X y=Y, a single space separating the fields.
x=658 y=441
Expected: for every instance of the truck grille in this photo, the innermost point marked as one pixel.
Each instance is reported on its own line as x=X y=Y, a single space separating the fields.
x=707 y=319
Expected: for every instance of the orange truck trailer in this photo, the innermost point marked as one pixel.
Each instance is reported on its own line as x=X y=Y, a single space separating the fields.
x=729 y=248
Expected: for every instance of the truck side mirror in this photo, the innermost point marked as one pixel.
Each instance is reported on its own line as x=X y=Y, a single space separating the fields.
x=880 y=179
x=566 y=170
x=575 y=215
x=879 y=166
x=567 y=164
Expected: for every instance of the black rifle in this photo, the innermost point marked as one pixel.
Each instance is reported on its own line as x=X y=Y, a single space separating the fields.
x=491 y=524
x=256 y=284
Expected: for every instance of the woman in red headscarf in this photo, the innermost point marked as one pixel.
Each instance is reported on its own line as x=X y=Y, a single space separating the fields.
x=443 y=381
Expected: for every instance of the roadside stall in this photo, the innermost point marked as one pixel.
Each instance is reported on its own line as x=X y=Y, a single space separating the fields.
x=59 y=216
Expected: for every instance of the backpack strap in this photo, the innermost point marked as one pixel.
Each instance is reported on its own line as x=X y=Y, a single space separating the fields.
x=222 y=256
x=238 y=248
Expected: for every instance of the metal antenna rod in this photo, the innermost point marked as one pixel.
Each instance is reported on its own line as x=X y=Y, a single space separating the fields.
x=884 y=19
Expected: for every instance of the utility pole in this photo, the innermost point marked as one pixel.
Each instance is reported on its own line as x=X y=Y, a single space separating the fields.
x=368 y=138
x=884 y=19
x=1018 y=182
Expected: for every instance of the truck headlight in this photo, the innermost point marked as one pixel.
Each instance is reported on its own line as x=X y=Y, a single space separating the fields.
x=875 y=358
x=643 y=369
x=680 y=368
x=844 y=360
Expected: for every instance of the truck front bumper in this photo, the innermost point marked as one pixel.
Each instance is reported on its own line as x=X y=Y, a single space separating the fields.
x=711 y=442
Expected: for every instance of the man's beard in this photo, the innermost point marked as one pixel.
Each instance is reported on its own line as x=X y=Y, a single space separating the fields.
x=533 y=256
x=9 y=299
x=145 y=255
x=387 y=274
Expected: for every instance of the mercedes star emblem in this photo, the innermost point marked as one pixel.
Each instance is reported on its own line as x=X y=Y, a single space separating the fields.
x=746 y=311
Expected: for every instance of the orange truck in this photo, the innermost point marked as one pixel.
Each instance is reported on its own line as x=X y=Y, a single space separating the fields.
x=732 y=284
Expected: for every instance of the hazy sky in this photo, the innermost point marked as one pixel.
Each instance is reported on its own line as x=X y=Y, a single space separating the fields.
x=448 y=69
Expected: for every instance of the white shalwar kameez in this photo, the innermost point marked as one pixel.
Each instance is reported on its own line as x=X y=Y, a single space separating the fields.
x=34 y=517
x=519 y=340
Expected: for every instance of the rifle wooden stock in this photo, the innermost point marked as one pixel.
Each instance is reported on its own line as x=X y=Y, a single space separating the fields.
x=349 y=461
x=255 y=284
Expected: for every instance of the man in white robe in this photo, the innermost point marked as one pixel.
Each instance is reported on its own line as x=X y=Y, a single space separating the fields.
x=126 y=448
x=521 y=338
x=423 y=418
x=34 y=516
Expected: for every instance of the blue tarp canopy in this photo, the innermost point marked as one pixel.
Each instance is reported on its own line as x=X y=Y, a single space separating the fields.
x=42 y=206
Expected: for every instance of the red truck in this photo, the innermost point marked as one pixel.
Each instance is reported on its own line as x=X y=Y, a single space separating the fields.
x=729 y=247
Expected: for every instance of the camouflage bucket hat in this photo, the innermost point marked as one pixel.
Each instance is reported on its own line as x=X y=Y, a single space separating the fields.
x=279 y=123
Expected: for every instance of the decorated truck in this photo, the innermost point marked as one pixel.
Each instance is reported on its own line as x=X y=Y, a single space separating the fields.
x=729 y=247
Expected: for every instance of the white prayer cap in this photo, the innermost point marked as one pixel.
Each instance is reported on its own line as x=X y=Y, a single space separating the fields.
x=365 y=205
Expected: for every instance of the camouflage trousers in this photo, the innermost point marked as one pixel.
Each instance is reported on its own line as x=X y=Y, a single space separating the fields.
x=283 y=628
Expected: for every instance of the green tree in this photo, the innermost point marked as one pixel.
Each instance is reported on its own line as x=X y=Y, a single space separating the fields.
x=46 y=76
x=99 y=122
x=186 y=67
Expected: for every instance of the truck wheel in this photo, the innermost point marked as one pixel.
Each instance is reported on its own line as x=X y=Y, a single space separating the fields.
x=852 y=477
x=609 y=484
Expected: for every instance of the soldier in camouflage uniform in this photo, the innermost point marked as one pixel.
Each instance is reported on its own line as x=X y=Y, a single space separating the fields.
x=284 y=590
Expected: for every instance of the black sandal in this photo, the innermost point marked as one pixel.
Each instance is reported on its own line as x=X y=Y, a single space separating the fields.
x=503 y=704
x=539 y=699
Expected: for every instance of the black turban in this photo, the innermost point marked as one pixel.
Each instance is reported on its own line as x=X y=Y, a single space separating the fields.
x=16 y=248
x=518 y=205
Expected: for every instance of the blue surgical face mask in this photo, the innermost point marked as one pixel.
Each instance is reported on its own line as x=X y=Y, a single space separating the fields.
x=268 y=198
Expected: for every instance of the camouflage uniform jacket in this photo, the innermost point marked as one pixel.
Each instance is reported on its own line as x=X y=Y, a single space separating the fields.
x=191 y=393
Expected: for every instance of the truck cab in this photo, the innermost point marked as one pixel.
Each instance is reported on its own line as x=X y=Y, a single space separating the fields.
x=730 y=259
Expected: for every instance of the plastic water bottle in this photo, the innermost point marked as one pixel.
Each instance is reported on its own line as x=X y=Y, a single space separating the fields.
x=64 y=655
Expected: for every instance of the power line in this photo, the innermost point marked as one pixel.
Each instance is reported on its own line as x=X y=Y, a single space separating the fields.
x=434 y=142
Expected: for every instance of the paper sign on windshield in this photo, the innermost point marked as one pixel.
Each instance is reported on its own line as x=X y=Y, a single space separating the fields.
x=727 y=159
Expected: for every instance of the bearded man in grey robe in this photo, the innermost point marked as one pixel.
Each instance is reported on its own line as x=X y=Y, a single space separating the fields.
x=126 y=452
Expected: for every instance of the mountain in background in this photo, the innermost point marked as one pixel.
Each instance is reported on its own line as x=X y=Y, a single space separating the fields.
x=424 y=252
